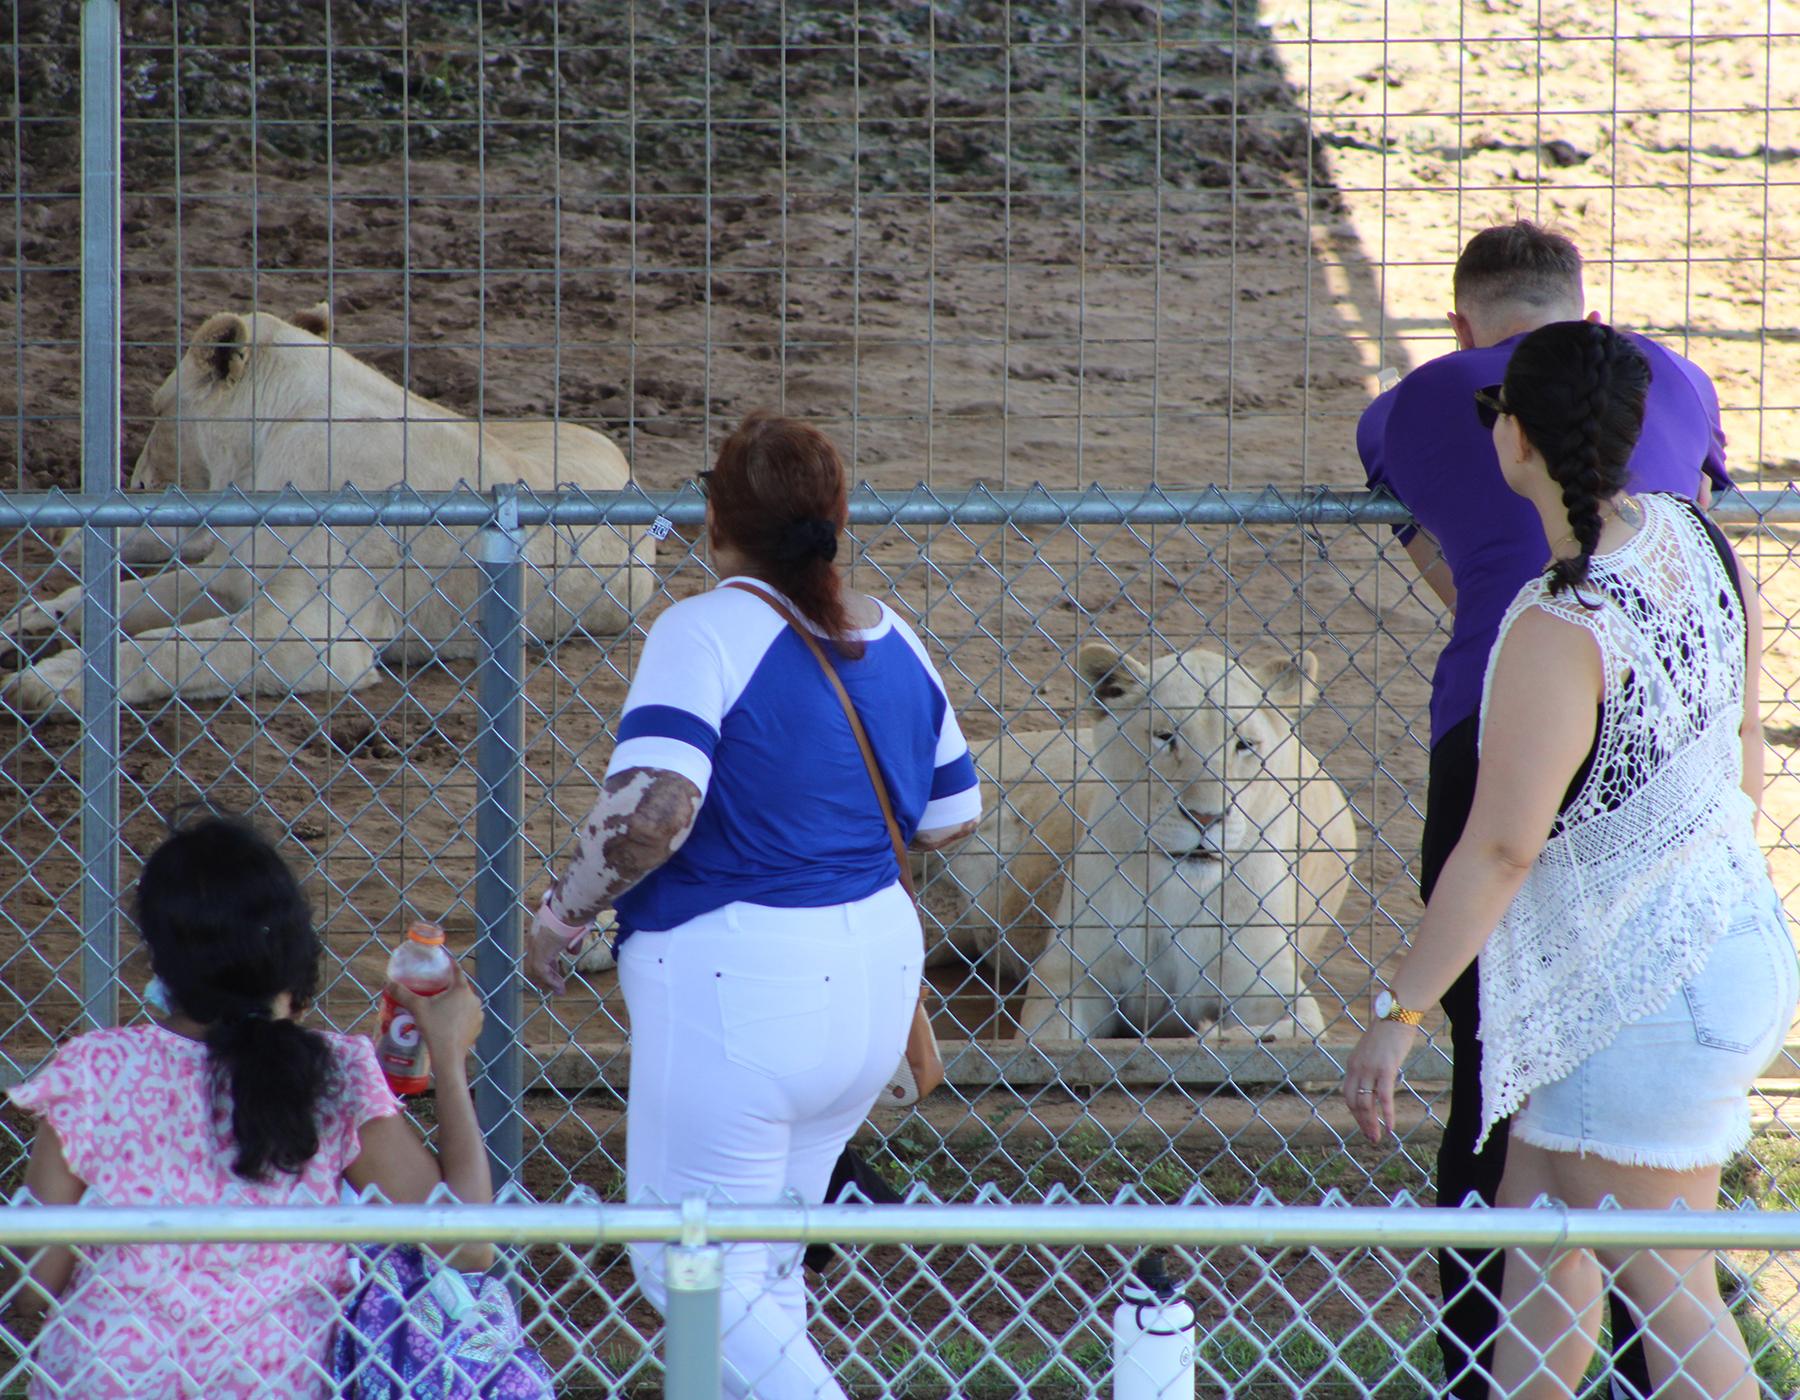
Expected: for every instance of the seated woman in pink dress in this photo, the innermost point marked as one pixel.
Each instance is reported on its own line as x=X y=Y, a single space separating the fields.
x=230 y=1100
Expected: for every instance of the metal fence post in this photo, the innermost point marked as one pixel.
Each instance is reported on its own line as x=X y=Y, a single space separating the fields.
x=100 y=475
x=499 y=875
x=694 y=1270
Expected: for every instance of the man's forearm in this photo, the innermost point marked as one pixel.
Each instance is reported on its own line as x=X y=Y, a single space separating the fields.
x=1423 y=550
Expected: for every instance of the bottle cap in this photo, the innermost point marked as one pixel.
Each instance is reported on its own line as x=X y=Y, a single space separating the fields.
x=1153 y=1274
x=422 y=932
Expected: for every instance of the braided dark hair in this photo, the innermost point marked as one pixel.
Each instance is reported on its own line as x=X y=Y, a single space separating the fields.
x=228 y=932
x=1577 y=389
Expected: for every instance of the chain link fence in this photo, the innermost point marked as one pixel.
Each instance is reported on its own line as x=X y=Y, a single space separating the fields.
x=440 y=774
x=456 y=297
x=933 y=1300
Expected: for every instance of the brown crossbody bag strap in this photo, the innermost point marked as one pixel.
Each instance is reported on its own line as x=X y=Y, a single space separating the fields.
x=921 y=1043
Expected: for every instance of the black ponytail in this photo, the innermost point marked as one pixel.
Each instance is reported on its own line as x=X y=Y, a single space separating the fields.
x=1578 y=389
x=273 y=1072
x=229 y=932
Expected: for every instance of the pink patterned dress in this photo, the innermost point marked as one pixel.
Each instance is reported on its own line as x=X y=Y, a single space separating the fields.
x=134 y=1110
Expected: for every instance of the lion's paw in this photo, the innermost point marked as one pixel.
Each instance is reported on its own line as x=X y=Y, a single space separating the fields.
x=32 y=632
x=1237 y=1032
x=597 y=957
x=1053 y=1019
x=1299 y=1020
x=54 y=683
x=33 y=617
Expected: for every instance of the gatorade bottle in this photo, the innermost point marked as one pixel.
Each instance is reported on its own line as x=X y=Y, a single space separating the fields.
x=421 y=964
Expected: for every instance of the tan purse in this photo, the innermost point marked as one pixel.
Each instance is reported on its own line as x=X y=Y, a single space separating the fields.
x=922 y=1069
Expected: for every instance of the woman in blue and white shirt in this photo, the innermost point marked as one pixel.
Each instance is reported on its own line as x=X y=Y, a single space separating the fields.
x=769 y=956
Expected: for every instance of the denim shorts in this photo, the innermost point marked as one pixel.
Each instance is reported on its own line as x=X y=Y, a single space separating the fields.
x=1672 y=1090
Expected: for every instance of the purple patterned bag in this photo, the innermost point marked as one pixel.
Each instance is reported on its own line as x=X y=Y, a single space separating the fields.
x=413 y=1332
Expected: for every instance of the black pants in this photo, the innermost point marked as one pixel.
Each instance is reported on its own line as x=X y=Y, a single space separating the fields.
x=1471 y=1280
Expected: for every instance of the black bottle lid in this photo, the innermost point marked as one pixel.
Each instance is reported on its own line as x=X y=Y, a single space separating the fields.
x=1152 y=1271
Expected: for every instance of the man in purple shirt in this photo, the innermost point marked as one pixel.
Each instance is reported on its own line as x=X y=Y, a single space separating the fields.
x=1476 y=544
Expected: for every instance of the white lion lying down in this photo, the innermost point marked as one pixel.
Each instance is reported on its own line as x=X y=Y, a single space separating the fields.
x=1177 y=862
x=1161 y=867
x=262 y=404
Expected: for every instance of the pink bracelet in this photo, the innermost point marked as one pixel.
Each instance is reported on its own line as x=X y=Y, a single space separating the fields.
x=574 y=935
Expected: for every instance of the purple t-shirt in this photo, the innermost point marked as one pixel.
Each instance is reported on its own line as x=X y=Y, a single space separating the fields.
x=1423 y=442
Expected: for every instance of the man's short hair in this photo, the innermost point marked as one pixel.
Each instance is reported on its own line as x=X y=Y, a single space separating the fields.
x=1518 y=262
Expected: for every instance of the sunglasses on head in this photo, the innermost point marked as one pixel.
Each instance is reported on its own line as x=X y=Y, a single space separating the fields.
x=1490 y=406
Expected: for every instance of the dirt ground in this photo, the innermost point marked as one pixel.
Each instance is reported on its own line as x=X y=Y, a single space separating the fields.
x=969 y=285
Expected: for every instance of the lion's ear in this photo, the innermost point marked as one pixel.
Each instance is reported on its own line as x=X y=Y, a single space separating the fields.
x=316 y=318
x=222 y=345
x=1119 y=682
x=1296 y=684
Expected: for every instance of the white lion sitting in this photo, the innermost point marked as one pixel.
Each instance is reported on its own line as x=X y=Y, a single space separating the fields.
x=263 y=404
x=1158 y=870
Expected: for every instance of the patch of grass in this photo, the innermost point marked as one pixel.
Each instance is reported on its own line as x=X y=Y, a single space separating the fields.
x=1301 y=1351
x=1286 y=1174
x=1231 y=1360
x=960 y=1355
x=1090 y=1357
x=1168 y=1178
x=1368 y=1360
x=1398 y=1172
x=1777 y=1363
x=1407 y=1364
x=1767 y=1174
x=980 y=1370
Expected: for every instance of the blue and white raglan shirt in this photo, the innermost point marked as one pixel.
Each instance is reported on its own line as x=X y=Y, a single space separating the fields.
x=727 y=696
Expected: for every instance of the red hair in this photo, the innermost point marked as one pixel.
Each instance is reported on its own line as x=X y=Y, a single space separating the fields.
x=779 y=495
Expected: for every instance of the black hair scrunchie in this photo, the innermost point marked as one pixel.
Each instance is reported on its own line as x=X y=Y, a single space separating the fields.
x=812 y=538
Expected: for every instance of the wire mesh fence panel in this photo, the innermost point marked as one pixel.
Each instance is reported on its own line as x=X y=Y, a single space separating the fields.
x=467 y=246
x=1147 y=963
x=918 y=1301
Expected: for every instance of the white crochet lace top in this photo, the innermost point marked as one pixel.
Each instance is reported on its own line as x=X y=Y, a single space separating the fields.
x=1659 y=845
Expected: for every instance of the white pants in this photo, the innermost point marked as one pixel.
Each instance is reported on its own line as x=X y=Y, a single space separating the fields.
x=759 y=1040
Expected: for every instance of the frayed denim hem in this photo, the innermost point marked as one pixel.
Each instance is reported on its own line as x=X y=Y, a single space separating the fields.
x=1685 y=1158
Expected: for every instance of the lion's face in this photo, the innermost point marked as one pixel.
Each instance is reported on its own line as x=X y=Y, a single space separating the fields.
x=174 y=453
x=203 y=437
x=1200 y=752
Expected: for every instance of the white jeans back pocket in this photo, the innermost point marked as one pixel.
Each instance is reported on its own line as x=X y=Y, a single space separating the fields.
x=774 y=1025
x=1738 y=996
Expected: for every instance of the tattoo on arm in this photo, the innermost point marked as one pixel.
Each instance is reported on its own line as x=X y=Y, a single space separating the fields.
x=641 y=819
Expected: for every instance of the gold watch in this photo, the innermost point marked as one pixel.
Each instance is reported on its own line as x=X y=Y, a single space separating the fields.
x=1387 y=1009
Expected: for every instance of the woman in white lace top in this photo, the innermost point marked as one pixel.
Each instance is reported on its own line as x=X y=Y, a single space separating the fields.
x=1636 y=969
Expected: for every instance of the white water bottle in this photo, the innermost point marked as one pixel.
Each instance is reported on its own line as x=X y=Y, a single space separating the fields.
x=1153 y=1336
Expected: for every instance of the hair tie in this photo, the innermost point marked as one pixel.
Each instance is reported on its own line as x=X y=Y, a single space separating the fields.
x=156 y=996
x=811 y=538
x=254 y=1011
